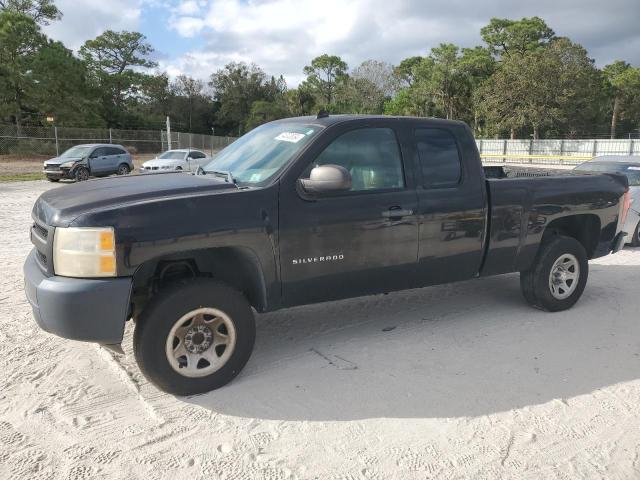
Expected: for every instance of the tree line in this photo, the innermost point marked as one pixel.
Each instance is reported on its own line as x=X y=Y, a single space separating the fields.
x=524 y=81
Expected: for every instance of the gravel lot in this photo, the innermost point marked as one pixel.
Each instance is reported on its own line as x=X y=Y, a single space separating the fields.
x=456 y=381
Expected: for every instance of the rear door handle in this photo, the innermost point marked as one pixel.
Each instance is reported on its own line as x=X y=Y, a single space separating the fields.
x=396 y=213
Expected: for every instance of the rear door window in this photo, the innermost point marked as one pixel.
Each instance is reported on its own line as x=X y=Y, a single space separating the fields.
x=439 y=157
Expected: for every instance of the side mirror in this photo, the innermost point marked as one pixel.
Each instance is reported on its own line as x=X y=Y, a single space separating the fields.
x=326 y=179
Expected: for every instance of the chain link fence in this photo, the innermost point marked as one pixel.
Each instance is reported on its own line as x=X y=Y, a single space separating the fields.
x=29 y=141
x=553 y=152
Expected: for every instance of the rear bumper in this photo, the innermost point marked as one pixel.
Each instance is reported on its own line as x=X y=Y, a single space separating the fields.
x=91 y=310
x=630 y=224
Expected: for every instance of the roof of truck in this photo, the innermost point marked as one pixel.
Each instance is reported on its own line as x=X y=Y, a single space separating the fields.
x=341 y=118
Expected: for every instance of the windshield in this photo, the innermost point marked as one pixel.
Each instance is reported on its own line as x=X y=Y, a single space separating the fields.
x=631 y=171
x=76 y=152
x=172 y=155
x=259 y=154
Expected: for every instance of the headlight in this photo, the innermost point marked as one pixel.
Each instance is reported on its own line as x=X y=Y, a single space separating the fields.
x=84 y=252
x=67 y=164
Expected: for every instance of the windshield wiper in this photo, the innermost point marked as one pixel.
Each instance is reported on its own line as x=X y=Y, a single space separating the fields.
x=224 y=173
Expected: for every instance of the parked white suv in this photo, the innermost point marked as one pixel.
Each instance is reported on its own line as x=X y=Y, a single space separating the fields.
x=181 y=159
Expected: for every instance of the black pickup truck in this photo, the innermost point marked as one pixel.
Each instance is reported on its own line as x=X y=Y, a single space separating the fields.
x=297 y=211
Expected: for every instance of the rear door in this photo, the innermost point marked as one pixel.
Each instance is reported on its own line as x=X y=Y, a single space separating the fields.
x=451 y=197
x=356 y=242
x=115 y=156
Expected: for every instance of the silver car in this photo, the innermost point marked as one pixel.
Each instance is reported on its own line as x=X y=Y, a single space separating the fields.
x=180 y=159
x=630 y=166
x=92 y=160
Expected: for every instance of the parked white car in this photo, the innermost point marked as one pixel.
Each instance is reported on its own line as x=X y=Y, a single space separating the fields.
x=181 y=159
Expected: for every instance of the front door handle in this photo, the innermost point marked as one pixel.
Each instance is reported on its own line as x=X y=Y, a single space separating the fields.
x=396 y=212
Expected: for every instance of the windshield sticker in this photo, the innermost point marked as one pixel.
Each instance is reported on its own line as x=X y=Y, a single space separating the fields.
x=290 y=137
x=633 y=168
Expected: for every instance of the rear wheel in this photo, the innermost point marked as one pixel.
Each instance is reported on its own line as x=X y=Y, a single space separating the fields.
x=558 y=276
x=635 y=240
x=123 y=169
x=194 y=337
x=82 y=174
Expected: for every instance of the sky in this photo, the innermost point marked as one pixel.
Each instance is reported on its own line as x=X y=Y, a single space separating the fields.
x=197 y=37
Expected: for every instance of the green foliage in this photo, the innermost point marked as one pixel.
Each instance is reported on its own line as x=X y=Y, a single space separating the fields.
x=323 y=75
x=114 y=61
x=542 y=88
x=40 y=11
x=524 y=80
x=509 y=37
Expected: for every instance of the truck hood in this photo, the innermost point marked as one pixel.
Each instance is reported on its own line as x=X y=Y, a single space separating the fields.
x=60 y=206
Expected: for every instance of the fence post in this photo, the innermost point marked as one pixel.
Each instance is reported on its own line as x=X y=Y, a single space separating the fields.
x=594 y=152
x=504 y=151
x=110 y=137
x=55 y=133
x=630 y=146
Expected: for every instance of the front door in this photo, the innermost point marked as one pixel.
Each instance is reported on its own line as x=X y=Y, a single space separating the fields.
x=357 y=242
x=99 y=161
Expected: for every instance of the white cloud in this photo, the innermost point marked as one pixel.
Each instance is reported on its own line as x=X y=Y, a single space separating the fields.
x=284 y=35
x=88 y=19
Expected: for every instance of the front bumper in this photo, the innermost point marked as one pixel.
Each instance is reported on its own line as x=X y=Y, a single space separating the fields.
x=91 y=310
x=62 y=173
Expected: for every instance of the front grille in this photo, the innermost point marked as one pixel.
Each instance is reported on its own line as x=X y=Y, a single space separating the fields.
x=42 y=232
x=42 y=239
x=42 y=259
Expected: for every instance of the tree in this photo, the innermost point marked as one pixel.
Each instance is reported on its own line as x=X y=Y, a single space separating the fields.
x=114 y=60
x=263 y=111
x=61 y=86
x=20 y=41
x=236 y=87
x=405 y=72
x=323 y=75
x=190 y=88
x=380 y=74
x=301 y=100
x=41 y=11
x=508 y=37
x=541 y=88
x=623 y=87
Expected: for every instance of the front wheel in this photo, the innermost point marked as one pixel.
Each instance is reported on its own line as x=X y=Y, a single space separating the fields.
x=558 y=276
x=82 y=174
x=194 y=337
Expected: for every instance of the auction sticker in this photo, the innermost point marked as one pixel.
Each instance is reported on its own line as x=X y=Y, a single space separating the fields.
x=290 y=137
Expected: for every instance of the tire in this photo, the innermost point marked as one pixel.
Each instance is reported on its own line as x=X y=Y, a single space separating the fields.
x=635 y=241
x=52 y=179
x=564 y=258
x=154 y=339
x=82 y=174
x=123 y=169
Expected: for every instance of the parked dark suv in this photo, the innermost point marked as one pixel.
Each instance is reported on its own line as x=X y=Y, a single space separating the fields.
x=94 y=160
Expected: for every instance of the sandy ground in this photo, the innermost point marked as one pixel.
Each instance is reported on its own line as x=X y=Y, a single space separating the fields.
x=456 y=381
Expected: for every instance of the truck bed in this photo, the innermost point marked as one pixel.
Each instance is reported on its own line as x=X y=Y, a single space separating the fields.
x=525 y=203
